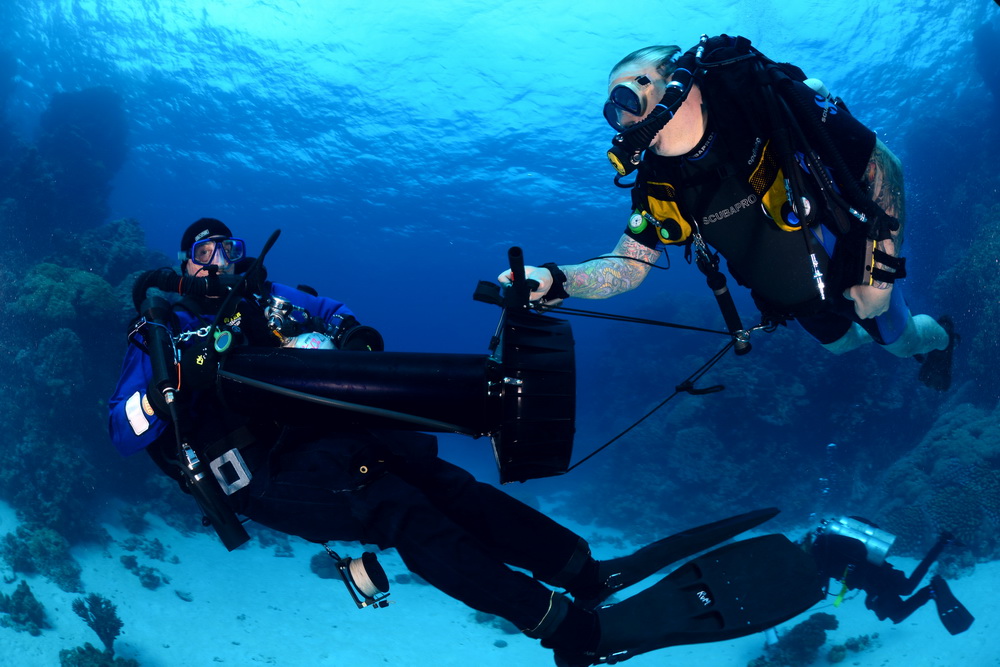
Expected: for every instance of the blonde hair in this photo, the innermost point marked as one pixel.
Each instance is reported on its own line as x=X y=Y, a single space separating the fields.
x=663 y=58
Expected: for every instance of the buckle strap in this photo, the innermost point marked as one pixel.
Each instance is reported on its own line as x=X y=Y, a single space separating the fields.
x=895 y=267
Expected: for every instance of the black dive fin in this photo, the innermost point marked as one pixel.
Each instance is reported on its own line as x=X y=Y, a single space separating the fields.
x=618 y=573
x=955 y=617
x=935 y=371
x=736 y=590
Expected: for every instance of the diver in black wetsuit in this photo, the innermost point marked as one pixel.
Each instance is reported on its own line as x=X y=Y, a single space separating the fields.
x=852 y=551
x=327 y=482
x=725 y=176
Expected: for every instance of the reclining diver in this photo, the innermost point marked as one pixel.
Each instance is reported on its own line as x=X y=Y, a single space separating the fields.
x=852 y=551
x=325 y=482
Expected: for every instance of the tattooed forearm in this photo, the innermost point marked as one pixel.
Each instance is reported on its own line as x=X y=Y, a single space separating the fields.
x=884 y=176
x=601 y=278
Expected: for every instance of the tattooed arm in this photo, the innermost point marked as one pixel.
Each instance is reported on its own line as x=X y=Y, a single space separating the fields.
x=596 y=279
x=601 y=278
x=884 y=177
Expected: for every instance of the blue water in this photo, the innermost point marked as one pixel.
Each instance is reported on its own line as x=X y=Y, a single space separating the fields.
x=402 y=148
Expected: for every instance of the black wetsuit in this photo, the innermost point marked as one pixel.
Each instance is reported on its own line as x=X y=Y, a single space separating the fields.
x=730 y=189
x=846 y=560
x=388 y=488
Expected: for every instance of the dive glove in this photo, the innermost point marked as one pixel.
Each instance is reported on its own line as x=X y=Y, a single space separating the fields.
x=541 y=276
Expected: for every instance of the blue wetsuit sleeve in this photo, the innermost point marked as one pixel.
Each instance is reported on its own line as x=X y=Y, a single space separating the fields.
x=132 y=424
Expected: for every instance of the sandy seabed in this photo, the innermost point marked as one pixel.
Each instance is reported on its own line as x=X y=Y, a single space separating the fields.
x=254 y=606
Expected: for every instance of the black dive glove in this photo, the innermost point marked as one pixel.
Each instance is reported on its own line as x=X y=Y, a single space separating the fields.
x=257 y=279
x=164 y=278
x=157 y=401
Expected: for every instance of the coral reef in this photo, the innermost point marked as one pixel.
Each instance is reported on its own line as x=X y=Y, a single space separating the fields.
x=839 y=652
x=133 y=518
x=66 y=338
x=149 y=577
x=62 y=293
x=153 y=549
x=101 y=616
x=89 y=655
x=949 y=481
x=42 y=550
x=114 y=251
x=970 y=287
x=52 y=296
x=61 y=185
x=23 y=611
x=83 y=140
x=799 y=646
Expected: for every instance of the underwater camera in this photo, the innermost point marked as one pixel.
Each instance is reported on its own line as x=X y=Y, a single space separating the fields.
x=522 y=395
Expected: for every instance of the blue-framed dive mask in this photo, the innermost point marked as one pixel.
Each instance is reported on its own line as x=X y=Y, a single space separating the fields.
x=230 y=249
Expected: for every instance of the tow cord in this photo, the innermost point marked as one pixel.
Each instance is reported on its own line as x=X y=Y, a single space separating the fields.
x=626 y=318
x=687 y=386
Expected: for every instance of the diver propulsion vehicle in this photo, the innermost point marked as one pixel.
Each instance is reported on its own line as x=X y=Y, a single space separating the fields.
x=522 y=395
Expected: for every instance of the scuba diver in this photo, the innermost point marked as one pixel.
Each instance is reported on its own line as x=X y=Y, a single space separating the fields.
x=852 y=551
x=329 y=480
x=740 y=157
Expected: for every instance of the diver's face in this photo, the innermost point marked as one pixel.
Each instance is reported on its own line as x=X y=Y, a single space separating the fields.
x=686 y=127
x=209 y=254
x=645 y=84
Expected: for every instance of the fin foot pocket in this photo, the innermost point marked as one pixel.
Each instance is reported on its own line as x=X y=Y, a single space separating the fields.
x=935 y=369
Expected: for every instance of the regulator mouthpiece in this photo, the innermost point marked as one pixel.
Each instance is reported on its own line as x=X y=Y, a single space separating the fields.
x=624 y=160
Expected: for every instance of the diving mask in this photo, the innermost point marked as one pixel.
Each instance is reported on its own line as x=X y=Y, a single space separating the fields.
x=627 y=97
x=229 y=249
